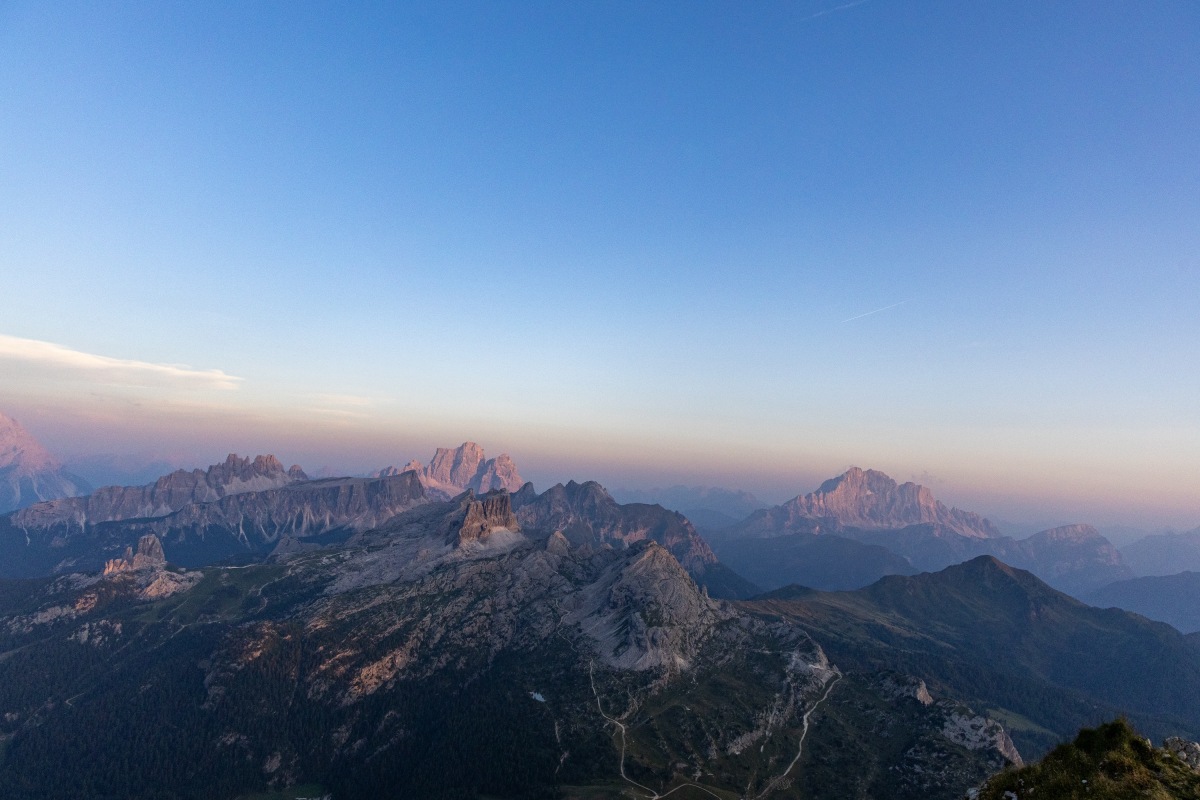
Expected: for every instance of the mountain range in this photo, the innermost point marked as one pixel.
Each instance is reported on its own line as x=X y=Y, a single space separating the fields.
x=862 y=525
x=476 y=647
x=452 y=652
x=250 y=508
x=427 y=632
x=28 y=473
x=864 y=500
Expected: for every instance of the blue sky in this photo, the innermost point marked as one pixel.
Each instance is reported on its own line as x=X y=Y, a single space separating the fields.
x=627 y=241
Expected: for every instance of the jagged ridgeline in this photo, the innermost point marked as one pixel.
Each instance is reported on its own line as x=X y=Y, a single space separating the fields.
x=247 y=509
x=413 y=635
x=862 y=525
x=477 y=647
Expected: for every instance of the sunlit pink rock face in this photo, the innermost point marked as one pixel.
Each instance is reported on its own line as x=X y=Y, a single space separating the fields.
x=28 y=473
x=452 y=471
x=868 y=500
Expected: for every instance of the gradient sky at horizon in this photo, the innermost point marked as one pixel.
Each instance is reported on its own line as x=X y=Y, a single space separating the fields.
x=742 y=244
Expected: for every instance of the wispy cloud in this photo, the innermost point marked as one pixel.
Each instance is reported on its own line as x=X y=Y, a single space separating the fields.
x=833 y=10
x=116 y=370
x=869 y=313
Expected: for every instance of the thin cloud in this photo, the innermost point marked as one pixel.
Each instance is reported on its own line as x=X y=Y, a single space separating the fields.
x=833 y=10
x=117 y=370
x=869 y=313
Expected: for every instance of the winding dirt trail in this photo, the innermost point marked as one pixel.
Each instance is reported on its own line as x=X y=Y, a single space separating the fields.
x=621 y=727
x=774 y=782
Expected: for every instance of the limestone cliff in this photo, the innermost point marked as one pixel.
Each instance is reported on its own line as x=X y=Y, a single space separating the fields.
x=452 y=471
x=149 y=555
x=865 y=500
x=167 y=495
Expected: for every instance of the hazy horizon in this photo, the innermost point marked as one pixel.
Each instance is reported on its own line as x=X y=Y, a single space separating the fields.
x=744 y=246
x=544 y=469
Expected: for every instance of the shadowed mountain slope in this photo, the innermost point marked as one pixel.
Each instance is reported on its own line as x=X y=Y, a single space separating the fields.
x=1002 y=639
x=822 y=561
x=588 y=516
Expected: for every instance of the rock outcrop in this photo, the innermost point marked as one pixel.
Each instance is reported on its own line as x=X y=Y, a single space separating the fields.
x=1185 y=751
x=28 y=473
x=975 y=732
x=149 y=555
x=589 y=517
x=487 y=515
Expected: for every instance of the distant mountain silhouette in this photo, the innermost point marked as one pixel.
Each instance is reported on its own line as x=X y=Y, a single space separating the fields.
x=1173 y=599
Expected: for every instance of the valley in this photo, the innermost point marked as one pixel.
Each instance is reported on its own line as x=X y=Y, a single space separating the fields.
x=351 y=633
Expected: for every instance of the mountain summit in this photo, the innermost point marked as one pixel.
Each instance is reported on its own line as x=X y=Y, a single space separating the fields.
x=866 y=500
x=28 y=473
x=453 y=471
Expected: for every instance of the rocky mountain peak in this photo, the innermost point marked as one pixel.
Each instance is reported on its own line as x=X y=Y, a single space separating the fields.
x=588 y=516
x=456 y=467
x=869 y=500
x=857 y=481
x=19 y=449
x=1070 y=533
x=245 y=474
x=647 y=612
x=28 y=473
x=453 y=471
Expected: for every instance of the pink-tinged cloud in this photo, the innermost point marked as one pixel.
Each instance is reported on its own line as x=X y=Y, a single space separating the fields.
x=113 y=370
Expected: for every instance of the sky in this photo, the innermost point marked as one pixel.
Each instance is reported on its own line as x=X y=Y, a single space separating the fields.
x=741 y=244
